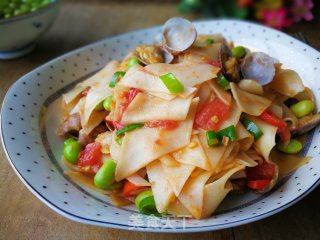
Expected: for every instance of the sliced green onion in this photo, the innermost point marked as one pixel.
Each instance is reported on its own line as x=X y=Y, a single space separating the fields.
x=229 y=132
x=146 y=204
x=129 y=128
x=119 y=140
x=172 y=83
x=293 y=147
x=223 y=82
x=252 y=128
x=115 y=78
x=133 y=61
x=209 y=41
x=107 y=103
x=212 y=138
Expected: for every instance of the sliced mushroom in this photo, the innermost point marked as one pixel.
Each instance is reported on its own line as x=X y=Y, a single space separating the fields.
x=258 y=66
x=229 y=64
x=178 y=34
x=305 y=124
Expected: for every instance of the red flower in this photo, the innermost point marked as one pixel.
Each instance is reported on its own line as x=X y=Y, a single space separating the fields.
x=277 y=18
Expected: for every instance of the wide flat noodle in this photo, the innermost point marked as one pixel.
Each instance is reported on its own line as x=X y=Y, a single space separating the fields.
x=95 y=119
x=145 y=108
x=251 y=86
x=287 y=82
x=222 y=94
x=161 y=189
x=98 y=79
x=138 y=180
x=214 y=154
x=177 y=175
x=189 y=74
x=193 y=155
x=177 y=209
x=205 y=94
x=244 y=138
x=216 y=191
x=142 y=146
x=267 y=141
x=191 y=195
x=248 y=102
x=246 y=160
x=140 y=78
x=95 y=95
x=234 y=116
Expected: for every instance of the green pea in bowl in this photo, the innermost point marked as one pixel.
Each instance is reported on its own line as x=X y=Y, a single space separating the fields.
x=22 y=22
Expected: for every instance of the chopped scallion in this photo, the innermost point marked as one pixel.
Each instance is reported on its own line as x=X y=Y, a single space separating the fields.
x=172 y=83
x=129 y=128
x=223 y=82
x=146 y=204
x=252 y=128
x=115 y=78
x=209 y=41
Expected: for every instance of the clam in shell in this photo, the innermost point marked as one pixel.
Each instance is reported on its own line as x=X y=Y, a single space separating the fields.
x=178 y=34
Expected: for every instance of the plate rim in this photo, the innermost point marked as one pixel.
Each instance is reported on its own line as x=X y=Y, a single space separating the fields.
x=80 y=219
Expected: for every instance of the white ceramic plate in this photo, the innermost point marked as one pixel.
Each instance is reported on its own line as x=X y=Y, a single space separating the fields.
x=34 y=150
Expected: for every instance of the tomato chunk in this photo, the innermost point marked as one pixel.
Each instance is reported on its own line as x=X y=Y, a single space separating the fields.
x=212 y=115
x=213 y=63
x=163 y=124
x=263 y=171
x=258 y=184
x=128 y=98
x=284 y=135
x=272 y=119
x=129 y=189
x=90 y=156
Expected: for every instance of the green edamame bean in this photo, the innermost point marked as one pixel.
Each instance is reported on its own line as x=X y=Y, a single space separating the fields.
x=69 y=140
x=133 y=61
x=71 y=151
x=104 y=178
x=293 y=147
x=99 y=107
x=107 y=103
x=302 y=108
x=238 y=51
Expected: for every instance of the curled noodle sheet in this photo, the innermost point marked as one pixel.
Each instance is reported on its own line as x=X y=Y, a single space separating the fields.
x=287 y=82
x=248 y=102
x=216 y=191
x=145 y=108
x=213 y=154
x=251 y=86
x=244 y=138
x=138 y=180
x=141 y=78
x=246 y=160
x=160 y=186
x=234 y=116
x=177 y=209
x=222 y=94
x=99 y=79
x=189 y=74
x=144 y=145
x=177 y=175
x=193 y=155
x=191 y=195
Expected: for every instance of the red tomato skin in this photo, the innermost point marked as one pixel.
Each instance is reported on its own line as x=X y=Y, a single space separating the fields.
x=215 y=108
x=213 y=63
x=258 y=184
x=163 y=124
x=91 y=155
x=284 y=135
x=272 y=119
x=128 y=98
x=117 y=125
x=263 y=171
x=129 y=189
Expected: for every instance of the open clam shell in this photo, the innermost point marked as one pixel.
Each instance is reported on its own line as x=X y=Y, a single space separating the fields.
x=258 y=66
x=229 y=65
x=178 y=34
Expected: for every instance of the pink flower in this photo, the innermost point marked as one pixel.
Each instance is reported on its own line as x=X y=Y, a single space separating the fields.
x=277 y=18
x=301 y=9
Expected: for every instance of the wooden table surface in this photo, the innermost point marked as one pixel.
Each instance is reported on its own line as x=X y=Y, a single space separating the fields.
x=23 y=216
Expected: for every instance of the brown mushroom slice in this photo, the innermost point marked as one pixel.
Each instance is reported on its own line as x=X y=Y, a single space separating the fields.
x=178 y=34
x=305 y=124
x=258 y=66
x=229 y=64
